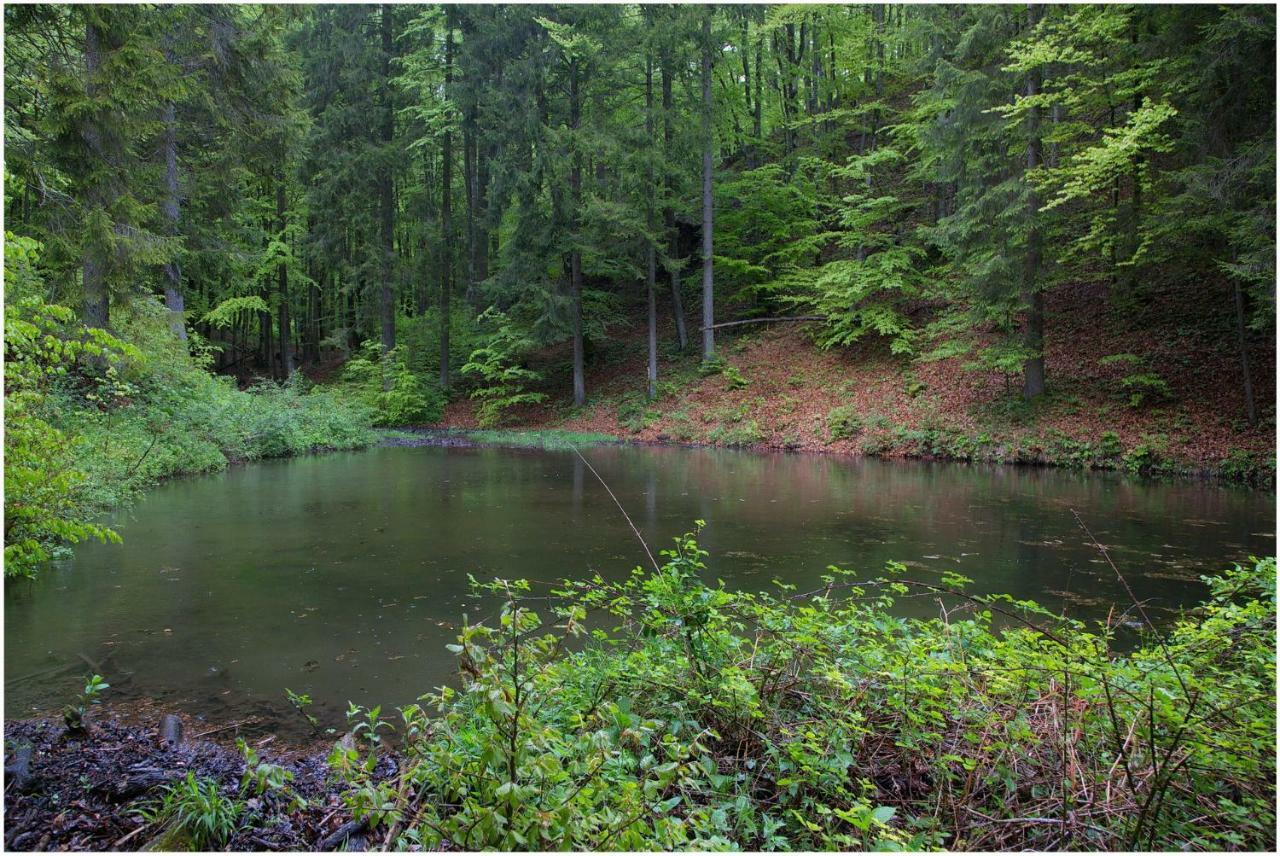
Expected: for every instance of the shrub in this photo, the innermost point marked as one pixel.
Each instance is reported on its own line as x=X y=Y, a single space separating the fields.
x=501 y=382
x=92 y=417
x=733 y=377
x=739 y=433
x=1109 y=445
x=713 y=719
x=844 y=422
x=48 y=494
x=385 y=384
x=1140 y=386
x=636 y=412
x=875 y=444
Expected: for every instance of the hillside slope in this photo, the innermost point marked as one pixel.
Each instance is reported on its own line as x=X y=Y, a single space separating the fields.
x=780 y=391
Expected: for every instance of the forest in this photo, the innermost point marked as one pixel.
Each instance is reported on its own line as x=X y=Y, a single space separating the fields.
x=478 y=248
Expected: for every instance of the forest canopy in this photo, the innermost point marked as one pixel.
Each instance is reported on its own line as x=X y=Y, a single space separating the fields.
x=460 y=185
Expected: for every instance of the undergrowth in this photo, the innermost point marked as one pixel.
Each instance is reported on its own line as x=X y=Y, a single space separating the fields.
x=709 y=719
x=91 y=417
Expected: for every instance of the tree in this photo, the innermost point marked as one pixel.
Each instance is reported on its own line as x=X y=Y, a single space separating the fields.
x=708 y=220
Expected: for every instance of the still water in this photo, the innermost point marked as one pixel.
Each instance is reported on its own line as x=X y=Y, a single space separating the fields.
x=345 y=575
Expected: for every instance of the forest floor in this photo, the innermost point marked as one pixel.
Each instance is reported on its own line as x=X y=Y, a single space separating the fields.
x=779 y=391
x=88 y=791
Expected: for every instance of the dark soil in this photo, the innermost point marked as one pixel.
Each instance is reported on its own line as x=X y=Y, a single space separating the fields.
x=84 y=791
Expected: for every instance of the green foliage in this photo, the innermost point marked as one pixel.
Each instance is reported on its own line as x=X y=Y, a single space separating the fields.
x=545 y=439
x=739 y=432
x=636 y=411
x=844 y=422
x=193 y=814
x=265 y=779
x=48 y=493
x=712 y=719
x=300 y=703
x=1248 y=468
x=1141 y=386
x=92 y=417
x=1109 y=445
x=501 y=381
x=734 y=379
x=388 y=386
x=73 y=714
x=234 y=309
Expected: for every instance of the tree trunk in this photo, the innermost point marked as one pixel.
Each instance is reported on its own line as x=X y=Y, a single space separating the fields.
x=97 y=304
x=1033 y=382
x=268 y=353
x=469 y=185
x=386 y=296
x=669 y=215
x=753 y=148
x=651 y=256
x=708 y=285
x=482 y=217
x=575 y=260
x=282 y=285
x=173 y=299
x=815 y=68
x=1250 y=406
x=446 y=212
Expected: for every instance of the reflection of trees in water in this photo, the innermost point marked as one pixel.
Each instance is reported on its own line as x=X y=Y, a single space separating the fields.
x=380 y=545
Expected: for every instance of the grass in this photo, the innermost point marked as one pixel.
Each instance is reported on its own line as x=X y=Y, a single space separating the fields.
x=551 y=439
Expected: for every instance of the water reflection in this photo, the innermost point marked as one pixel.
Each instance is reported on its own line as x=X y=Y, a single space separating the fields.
x=345 y=575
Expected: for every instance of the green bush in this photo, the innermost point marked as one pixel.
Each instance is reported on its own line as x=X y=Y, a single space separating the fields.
x=1140 y=386
x=713 y=719
x=92 y=417
x=844 y=422
x=1109 y=445
x=734 y=379
x=48 y=494
x=387 y=385
x=1245 y=467
x=737 y=433
x=636 y=412
x=501 y=381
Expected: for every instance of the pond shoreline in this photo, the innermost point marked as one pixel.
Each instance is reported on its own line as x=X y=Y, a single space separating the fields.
x=69 y=791
x=443 y=436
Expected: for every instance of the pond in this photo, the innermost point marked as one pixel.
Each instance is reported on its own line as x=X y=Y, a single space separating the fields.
x=345 y=575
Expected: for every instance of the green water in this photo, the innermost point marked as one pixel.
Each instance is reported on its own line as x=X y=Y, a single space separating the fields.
x=344 y=575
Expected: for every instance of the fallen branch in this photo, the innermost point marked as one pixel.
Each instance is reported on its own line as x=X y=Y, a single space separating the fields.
x=766 y=321
x=341 y=834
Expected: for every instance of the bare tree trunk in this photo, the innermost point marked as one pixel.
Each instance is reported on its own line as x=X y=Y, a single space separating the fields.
x=282 y=285
x=268 y=352
x=469 y=185
x=575 y=261
x=669 y=216
x=650 y=251
x=446 y=212
x=97 y=303
x=482 y=217
x=753 y=148
x=1033 y=381
x=815 y=67
x=708 y=284
x=173 y=300
x=1250 y=406
x=386 y=297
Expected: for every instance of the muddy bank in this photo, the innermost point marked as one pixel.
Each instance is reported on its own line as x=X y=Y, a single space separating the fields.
x=88 y=791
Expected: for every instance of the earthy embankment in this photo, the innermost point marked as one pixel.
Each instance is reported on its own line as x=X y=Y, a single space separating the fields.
x=85 y=791
x=781 y=392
